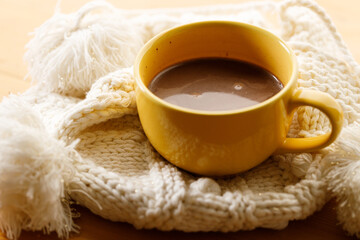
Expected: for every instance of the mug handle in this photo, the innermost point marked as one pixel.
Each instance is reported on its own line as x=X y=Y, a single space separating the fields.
x=325 y=103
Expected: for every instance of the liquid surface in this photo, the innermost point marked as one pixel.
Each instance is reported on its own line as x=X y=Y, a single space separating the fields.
x=215 y=84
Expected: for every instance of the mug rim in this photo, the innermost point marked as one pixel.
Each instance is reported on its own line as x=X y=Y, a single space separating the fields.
x=140 y=84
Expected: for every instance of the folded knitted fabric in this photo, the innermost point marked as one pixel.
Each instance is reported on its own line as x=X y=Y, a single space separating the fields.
x=76 y=134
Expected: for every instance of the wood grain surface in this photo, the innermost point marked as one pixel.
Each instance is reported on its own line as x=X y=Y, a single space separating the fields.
x=19 y=17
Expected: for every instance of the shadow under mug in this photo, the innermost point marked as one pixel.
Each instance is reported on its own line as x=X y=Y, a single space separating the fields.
x=219 y=143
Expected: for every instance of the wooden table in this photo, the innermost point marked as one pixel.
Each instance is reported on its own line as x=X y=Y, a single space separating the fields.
x=18 y=18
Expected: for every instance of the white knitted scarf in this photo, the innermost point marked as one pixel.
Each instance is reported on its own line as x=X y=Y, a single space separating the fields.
x=76 y=134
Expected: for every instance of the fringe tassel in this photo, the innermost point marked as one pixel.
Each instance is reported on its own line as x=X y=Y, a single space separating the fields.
x=35 y=169
x=343 y=176
x=69 y=52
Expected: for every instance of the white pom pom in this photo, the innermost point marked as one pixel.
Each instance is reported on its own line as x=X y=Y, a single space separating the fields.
x=343 y=175
x=70 y=52
x=34 y=168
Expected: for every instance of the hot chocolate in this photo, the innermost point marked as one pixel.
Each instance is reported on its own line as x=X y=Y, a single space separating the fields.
x=215 y=84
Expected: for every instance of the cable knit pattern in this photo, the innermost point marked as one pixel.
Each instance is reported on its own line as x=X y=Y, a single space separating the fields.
x=85 y=92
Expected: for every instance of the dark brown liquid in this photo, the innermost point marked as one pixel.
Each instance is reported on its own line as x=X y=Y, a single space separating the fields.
x=215 y=84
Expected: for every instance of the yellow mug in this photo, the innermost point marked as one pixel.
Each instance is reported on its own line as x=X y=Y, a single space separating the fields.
x=219 y=143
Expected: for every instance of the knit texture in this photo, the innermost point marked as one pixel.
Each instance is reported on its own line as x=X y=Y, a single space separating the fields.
x=85 y=103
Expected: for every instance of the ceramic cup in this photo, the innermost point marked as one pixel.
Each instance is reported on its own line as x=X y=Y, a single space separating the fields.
x=219 y=143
